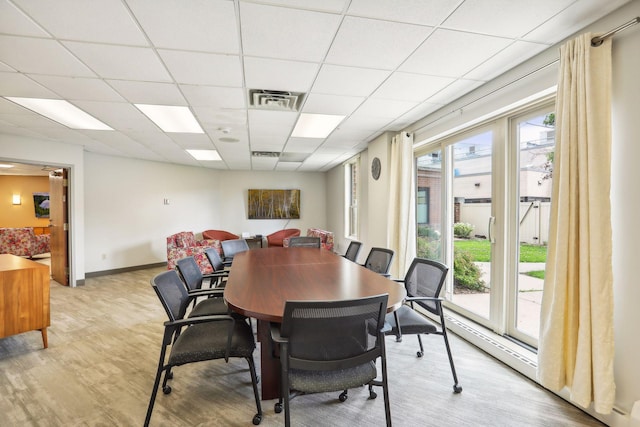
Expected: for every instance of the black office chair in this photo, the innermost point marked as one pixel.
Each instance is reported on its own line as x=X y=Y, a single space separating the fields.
x=219 y=268
x=198 y=339
x=423 y=282
x=304 y=242
x=379 y=260
x=192 y=279
x=331 y=346
x=232 y=247
x=353 y=250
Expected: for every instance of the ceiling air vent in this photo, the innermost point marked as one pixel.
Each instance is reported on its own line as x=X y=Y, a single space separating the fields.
x=265 y=154
x=275 y=100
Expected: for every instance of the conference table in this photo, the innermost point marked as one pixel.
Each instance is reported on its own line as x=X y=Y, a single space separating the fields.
x=262 y=280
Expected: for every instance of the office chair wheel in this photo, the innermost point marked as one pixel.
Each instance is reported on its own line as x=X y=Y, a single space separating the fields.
x=457 y=389
x=343 y=396
x=372 y=394
x=419 y=354
x=277 y=408
x=257 y=419
x=170 y=375
x=166 y=389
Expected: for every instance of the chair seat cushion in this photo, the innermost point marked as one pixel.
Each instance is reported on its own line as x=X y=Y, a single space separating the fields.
x=208 y=341
x=411 y=322
x=323 y=381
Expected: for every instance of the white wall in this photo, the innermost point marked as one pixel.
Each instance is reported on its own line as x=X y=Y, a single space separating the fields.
x=127 y=221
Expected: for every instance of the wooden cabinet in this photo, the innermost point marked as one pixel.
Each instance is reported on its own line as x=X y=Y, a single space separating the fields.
x=24 y=296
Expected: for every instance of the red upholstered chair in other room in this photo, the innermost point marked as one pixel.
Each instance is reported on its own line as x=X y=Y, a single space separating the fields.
x=277 y=238
x=219 y=235
x=184 y=244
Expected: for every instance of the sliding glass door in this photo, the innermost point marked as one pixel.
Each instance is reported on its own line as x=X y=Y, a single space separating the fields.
x=482 y=207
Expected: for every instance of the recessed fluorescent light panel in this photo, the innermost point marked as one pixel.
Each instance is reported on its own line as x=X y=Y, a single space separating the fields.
x=315 y=125
x=62 y=112
x=171 y=118
x=205 y=154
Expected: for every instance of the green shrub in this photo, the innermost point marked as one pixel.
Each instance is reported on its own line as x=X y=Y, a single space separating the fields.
x=466 y=273
x=462 y=230
x=428 y=248
x=427 y=231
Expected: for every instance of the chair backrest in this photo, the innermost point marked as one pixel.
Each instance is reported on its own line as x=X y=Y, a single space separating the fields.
x=231 y=247
x=330 y=335
x=214 y=259
x=172 y=293
x=379 y=260
x=425 y=278
x=353 y=250
x=305 y=242
x=191 y=274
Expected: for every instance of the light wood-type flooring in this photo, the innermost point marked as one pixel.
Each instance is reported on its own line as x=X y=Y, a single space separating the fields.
x=104 y=343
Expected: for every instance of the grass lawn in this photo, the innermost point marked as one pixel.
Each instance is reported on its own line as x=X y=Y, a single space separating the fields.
x=480 y=250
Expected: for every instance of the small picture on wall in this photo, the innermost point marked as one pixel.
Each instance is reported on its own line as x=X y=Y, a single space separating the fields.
x=41 y=204
x=274 y=204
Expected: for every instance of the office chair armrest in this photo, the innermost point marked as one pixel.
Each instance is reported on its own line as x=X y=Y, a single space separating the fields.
x=275 y=334
x=424 y=299
x=217 y=292
x=216 y=274
x=199 y=319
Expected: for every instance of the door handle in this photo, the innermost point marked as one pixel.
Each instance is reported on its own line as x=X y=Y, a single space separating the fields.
x=492 y=221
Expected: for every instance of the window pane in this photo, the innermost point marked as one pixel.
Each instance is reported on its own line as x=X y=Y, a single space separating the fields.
x=428 y=206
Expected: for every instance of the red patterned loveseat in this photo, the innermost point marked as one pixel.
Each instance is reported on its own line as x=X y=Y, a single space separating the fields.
x=326 y=238
x=184 y=244
x=23 y=242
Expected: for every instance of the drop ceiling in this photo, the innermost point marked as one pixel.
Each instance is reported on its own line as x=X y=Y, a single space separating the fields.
x=383 y=64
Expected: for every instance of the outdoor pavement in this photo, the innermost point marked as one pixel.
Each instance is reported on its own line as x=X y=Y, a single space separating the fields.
x=529 y=297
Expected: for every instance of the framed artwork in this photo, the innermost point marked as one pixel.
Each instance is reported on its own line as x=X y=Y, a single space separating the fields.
x=274 y=204
x=41 y=204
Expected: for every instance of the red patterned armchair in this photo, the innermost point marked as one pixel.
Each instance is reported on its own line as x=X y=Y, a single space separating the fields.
x=278 y=238
x=184 y=244
x=23 y=242
x=326 y=237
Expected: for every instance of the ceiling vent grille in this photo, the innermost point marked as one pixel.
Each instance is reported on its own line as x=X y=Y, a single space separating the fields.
x=265 y=154
x=275 y=100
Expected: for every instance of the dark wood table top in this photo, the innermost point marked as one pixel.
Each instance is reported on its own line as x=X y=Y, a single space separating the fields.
x=262 y=280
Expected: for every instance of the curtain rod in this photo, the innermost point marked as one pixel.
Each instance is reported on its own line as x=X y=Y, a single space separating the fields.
x=597 y=41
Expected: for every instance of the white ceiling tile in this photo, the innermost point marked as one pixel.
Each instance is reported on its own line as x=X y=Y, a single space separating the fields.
x=119 y=115
x=273 y=74
x=210 y=117
x=572 y=19
x=454 y=91
x=199 y=25
x=517 y=17
x=515 y=53
x=94 y=21
x=222 y=97
x=422 y=12
x=14 y=21
x=263 y=163
x=373 y=43
x=453 y=53
x=331 y=104
x=284 y=33
x=17 y=84
x=339 y=80
x=40 y=56
x=79 y=88
x=386 y=108
x=411 y=87
x=203 y=68
x=323 y=6
x=192 y=141
x=302 y=145
x=149 y=92
x=120 y=62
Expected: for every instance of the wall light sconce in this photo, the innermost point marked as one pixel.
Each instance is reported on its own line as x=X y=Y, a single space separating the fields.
x=16 y=199
x=477 y=184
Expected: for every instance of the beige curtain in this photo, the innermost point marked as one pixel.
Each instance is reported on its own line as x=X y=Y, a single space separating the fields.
x=401 y=227
x=576 y=346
